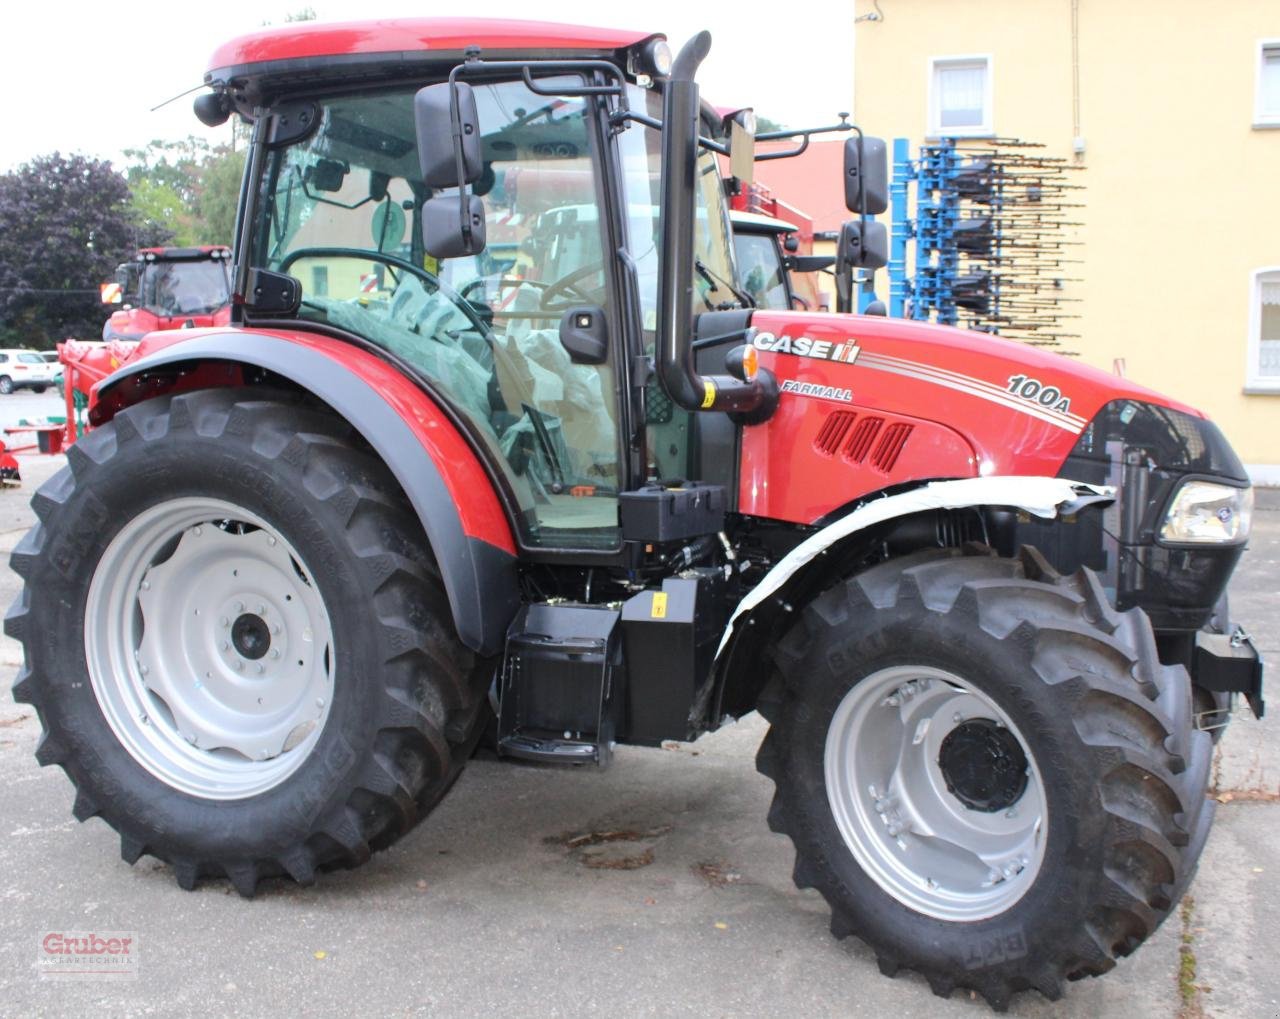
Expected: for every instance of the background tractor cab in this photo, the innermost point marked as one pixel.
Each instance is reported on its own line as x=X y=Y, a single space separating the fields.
x=169 y=288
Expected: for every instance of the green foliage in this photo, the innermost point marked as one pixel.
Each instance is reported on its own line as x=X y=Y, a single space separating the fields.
x=65 y=223
x=161 y=215
x=185 y=192
x=764 y=125
x=220 y=196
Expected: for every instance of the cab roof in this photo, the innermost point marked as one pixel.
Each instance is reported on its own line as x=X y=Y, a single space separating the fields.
x=308 y=45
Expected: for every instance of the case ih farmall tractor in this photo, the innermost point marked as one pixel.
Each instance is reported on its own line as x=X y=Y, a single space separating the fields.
x=977 y=590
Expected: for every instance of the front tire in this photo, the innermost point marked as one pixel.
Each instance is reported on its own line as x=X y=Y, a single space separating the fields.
x=237 y=641
x=6 y=385
x=985 y=770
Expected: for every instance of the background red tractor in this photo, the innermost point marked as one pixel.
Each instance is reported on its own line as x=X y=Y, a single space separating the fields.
x=978 y=590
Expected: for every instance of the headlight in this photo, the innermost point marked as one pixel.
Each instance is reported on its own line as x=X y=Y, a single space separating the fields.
x=1204 y=513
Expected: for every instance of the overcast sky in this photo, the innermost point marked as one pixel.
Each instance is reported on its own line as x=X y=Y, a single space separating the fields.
x=81 y=77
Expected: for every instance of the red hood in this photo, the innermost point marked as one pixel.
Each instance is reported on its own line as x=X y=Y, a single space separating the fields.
x=869 y=402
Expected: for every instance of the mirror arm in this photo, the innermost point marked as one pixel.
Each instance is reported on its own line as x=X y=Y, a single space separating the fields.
x=804 y=134
x=622 y=116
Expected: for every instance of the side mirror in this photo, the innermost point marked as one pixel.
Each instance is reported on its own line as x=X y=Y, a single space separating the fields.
x=584 y=335
x=433 y=114
x=866 y=175
x=742 y=145
x=327 y=175
x=453 y=226
x=864 y=245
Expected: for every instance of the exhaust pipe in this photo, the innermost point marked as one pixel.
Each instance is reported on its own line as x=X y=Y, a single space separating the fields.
x=679 y=211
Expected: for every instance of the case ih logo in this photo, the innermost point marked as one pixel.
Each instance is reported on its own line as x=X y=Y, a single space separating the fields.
x=845 y=351
x=84 y=954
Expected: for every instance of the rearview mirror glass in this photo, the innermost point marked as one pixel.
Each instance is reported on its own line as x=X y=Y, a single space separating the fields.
x=445 y=234
x=866 y=175
x=433 y=119
x=864 y=245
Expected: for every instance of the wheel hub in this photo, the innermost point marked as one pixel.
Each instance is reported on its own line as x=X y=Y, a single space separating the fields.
x=251 y=637
x=934 y=793
x=984 y=765
x=209 y=648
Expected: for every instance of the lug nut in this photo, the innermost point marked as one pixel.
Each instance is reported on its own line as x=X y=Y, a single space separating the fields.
x=239 y=665
x=225 y=645
x=275 y=652
x=239 y=607
x=262 y=609
x=146 y=585
x=225 y=621
x=199 y=531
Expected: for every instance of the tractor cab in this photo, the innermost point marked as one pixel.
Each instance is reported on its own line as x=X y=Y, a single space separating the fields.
x=537 y=338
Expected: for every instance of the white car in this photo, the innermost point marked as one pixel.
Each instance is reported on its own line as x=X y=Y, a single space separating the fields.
x=26 y=369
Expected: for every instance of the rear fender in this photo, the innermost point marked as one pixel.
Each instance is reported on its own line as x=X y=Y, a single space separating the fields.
x=744 y=644
x=434 y=465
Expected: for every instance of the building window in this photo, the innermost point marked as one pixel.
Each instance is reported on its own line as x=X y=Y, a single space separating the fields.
x=960 y=97
x=1267 y=106
x=1264 y=332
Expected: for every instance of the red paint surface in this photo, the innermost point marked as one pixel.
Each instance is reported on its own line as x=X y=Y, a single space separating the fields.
x=469 y=486
x=298 y=41
x=956 y=434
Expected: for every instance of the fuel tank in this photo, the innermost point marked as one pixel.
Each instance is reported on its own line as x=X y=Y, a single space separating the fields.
x=869 y=402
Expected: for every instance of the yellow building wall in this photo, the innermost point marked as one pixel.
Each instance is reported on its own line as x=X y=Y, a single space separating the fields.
x=1182 y=194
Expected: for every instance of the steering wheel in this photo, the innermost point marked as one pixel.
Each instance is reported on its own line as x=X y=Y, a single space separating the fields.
x=566 y=285
x=433 y=281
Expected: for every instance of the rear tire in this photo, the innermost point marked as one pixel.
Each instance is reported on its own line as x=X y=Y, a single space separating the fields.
x=38 y=389
x=1044 y=675
x=179 y=776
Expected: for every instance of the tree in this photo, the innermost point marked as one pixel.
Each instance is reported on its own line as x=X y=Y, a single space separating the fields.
x=65 y=224
x=219 y=196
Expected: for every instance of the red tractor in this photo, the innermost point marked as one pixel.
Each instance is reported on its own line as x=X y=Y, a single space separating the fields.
x=978 y=590
x=169 y=288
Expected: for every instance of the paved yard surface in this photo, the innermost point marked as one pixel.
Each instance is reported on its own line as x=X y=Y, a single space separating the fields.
x=484 y=910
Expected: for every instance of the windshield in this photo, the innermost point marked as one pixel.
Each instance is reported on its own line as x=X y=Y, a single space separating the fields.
x=760 y=269
x=342 y=211
x=185 y=288
x=641 y=150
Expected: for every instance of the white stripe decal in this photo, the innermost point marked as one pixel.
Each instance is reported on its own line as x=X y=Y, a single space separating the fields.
x=972 y=387
x=991 y=387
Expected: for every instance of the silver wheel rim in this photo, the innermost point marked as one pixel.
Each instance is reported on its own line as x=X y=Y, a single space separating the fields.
x=916 y=839
x=209 y=648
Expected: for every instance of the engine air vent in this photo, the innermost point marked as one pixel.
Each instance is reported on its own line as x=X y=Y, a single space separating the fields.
x=863 y=435
x=833 y=431
x=890 y=447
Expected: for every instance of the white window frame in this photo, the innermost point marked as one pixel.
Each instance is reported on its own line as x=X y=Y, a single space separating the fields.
x=1261 y=118
x=1255 y=381
x=984 y=130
